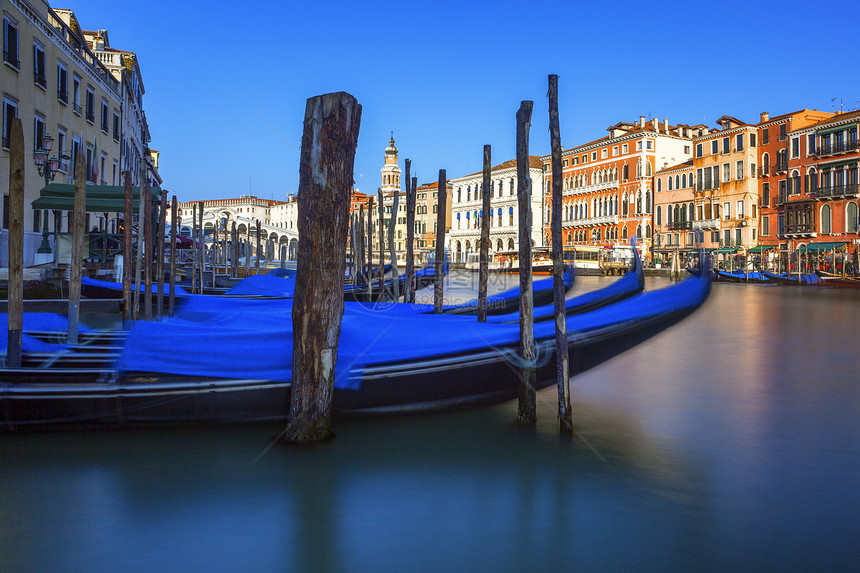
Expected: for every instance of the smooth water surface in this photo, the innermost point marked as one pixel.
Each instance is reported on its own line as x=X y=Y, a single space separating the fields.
x=728 y=442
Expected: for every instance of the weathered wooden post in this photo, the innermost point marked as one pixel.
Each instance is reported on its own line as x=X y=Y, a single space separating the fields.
x=159 y=263
x=171 y=303
x=234 y=264
x=370 y=248
x=409 y=296
x=127 y=251
x=325 y=178
x=248 y=252
x=392 y=253
x=527 y=399
x=76 y=263
x=194 y=247
x=148 y=250
x=202 y=251
x=259 y=252
x=438 y=287
x=565 y=414
x=15 y=327
x=381 y=212
x=483 y=269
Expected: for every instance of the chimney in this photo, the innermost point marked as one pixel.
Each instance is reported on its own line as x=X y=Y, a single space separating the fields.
x=656 y=123
x=666 y=124
x=764 y=116
x=641 y=122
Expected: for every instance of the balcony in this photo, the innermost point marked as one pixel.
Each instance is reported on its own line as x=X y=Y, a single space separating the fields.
x=706 y=224
x=680 y=225
x=730 y=243
x=836 y=191
x=590 y=188
x=765 y=171
x=801 y=229
x=780 y=167
x=781 y=199
x=590 y=221
x=837 y=147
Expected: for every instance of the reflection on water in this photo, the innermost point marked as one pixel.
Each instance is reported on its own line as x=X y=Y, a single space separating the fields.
x=726 y=442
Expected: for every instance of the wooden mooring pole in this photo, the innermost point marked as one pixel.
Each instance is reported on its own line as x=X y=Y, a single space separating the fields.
x=369 y=248
x=148 y=250
x=381 y=212
x=76 y=263
x=325 y=178
x=159 y=261
x=565 y=415
x=527 y=399
x=392 y=253
x=259 y=246
x=438 y=286
x=201 y=253
x=484 y=245
x=127 y=250
x=171 y=302
x=194 y=248
x=15 y=327
x=409 y=295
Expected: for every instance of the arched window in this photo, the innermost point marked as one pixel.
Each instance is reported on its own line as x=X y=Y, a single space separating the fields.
x=647 y=231
x=624 y=206
x=684 y=181
x=678 y=214
x=851 y=219
x=624 y=233
x=625 y=172
x=660 y=214
x=765 y=164
x=647 y=201
x=691 y=211
x=660 y=184
x=568 y=236
x=639 y=169
x=677 y=181
x=648 y=169
x=825 y=220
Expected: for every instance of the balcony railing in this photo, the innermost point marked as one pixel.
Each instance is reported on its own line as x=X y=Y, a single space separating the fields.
x=781 y=198
x=63 y=96
x=589 y=221
x=12 y=59
x=803 y=229
x=848 y=190
x=731 y=243
x=91 y=116
x=837 y=147
x=40 y=80
x=680 y=225
x=706 y=224
x=765 y=171
x=76 y=107
x=590 y=188
x=780 y=167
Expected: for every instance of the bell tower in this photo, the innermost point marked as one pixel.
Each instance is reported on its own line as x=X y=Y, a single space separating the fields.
x=390 y=171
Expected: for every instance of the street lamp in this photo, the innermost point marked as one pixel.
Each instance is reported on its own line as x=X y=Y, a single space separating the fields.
x=48 y=169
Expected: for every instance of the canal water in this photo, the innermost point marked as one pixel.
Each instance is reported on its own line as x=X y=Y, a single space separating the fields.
x=728 y=442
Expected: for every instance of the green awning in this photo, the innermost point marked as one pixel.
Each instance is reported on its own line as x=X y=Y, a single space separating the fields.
x=837 y=163
x=760 y=249
x=100 y=198
x=727 y=250
x=819 y=247
x=843 y=127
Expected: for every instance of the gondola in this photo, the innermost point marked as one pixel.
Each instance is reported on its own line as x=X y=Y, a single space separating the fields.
x=95 y=288
x=741 y=277
x=388 y=363
x=787 y=279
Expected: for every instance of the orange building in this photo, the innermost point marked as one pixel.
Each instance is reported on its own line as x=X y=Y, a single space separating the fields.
x=674 y=209
x=786 y=178
x=607 y=187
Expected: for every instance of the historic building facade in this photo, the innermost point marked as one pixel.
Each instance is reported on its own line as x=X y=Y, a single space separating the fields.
x=467 y=209
x=607 y=187
x=674 y=208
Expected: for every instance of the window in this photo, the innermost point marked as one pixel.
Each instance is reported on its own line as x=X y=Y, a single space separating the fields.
x=825 y=220
x=765 y=226
x=740 y=173
x=624 y=148
x=76 y=94
x=594 y=156
x=639 y=145
x=698 y=150
x=740 y=209
x=727 y=211
x=752 y=170
x=39 y=66
x=752 y=140
x=660 y=184
x=614 y=151
x=782 y=135
x=738 y=236
x=10 y=112
x=765 y=195
x=739 y=141
x=61 y=147
x=851 y=218
x=795 y=147
x=104 y=117
x=10 y=44
x=603 y=153
x=764 y=136
x=726 y=145
x=91 y=105
x=62 y=83
x=810 y=144
x=38 y=131
x=727 y=172
x=715 y=147
x=115 y=125
x=648 y=144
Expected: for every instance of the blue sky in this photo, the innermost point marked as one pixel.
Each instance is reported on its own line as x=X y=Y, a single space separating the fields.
x=226 y=88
